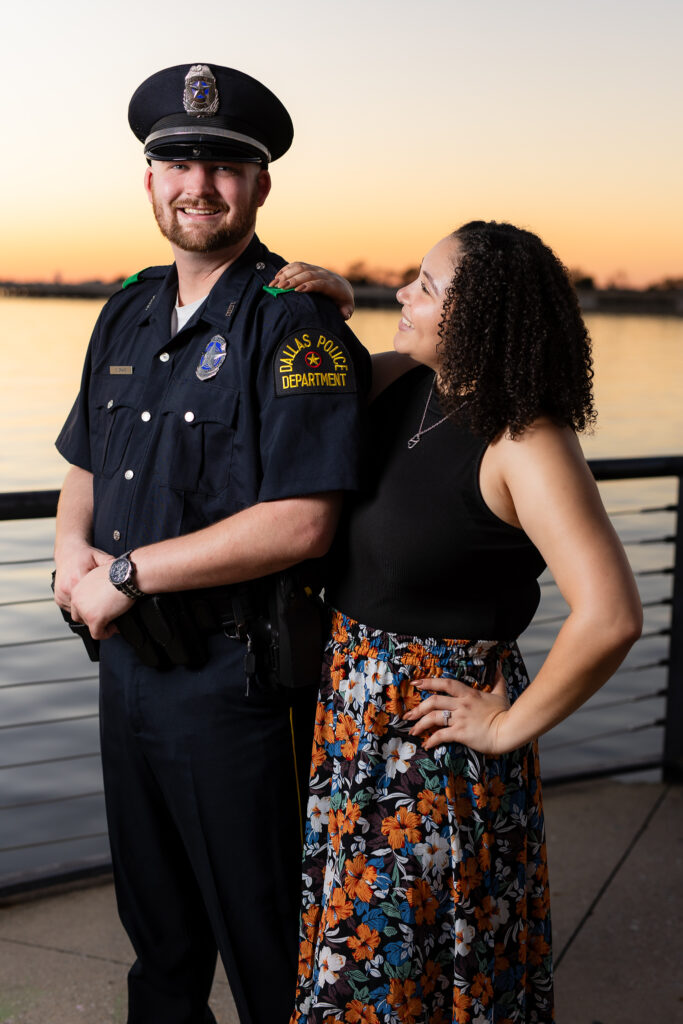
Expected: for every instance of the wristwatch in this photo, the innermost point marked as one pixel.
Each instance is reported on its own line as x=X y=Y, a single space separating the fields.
x=121 y=574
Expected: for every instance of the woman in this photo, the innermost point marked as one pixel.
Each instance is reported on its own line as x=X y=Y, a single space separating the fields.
x=425 y=882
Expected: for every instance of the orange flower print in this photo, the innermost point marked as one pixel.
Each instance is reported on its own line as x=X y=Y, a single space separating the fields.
x=305 y=957
x=339 y=630
x=502 y=962
x=364 y=650
x=360 y=1013
x=312 y=915
x=474 y=905
x=470 y=876
x=402 y=698
x=322 y=730
x=432 y=805
x=338 y=908
x=334 y=831
x=402 y=828
x=375 y=721
x=414 y=655
x=480 y=794
x=455 y=793
x=538 y=948
x=317 y=758
x=347 y=732
x=404 y=1001
x=482 y=988
x=349 y=818
x=364 y=943
x=422 y=900
x=484 y=853
x=541 y=907
x=461 y=1006
x=310 y=920
x=359 y=877
x=432 y=973
x=483 y=914
x=496 y=792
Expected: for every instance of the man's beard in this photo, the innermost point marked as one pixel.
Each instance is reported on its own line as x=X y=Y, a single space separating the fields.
x=195 y=237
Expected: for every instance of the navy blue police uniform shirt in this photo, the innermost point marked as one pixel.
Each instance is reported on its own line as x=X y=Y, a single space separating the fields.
x=257 y=398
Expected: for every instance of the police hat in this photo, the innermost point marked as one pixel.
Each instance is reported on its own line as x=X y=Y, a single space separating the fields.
x=197 y=112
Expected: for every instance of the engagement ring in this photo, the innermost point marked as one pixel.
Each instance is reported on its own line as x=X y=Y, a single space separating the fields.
x=446 y=717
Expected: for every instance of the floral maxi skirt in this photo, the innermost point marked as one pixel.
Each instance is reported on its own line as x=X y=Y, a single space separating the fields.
x=425 y=884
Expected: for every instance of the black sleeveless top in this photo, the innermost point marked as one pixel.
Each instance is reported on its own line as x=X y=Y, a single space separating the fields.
x=418 y=551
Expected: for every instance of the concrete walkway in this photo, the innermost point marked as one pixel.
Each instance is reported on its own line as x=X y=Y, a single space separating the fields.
x=616 y=873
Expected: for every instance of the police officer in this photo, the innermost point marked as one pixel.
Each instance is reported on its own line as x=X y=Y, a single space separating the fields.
x=216 y=427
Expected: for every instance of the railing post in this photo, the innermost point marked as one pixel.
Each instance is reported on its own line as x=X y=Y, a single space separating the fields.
x=673 y=733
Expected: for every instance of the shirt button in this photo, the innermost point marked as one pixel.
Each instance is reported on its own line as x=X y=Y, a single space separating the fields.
x=260 y=266
x=164 y=357
x=129 y=474
x=110 y=403
x=116 y=535
x=189 y=416
x=146 y=416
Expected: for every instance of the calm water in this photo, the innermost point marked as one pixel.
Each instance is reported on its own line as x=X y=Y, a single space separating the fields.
x=638 y=367
x=639 y=391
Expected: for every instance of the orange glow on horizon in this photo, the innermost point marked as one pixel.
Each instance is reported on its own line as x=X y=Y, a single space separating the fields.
x=408 y=122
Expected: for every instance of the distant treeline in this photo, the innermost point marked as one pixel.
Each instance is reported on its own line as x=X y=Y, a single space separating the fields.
x=663 y=298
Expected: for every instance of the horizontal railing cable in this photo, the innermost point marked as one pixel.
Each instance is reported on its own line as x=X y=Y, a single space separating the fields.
x=48 y=721
x=657 y=723
x=51 y=800
x=53 y=842
x=49 y=760
x=47 y=682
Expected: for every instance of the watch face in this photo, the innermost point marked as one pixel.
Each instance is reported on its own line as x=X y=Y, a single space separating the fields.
x=119 y=570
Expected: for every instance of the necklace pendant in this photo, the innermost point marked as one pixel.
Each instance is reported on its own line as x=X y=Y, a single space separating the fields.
x=415 y=439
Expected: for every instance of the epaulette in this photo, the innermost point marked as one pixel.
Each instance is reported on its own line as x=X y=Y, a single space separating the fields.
x=149 y=273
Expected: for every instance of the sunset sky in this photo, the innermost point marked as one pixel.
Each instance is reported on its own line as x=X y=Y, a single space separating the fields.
x=410 y=118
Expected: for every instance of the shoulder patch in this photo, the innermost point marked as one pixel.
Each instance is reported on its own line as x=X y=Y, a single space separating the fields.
x=310 y=362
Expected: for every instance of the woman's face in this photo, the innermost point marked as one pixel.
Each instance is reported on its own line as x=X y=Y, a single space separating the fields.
x=422 y=302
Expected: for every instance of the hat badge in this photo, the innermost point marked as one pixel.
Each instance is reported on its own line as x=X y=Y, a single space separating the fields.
x=201 y=94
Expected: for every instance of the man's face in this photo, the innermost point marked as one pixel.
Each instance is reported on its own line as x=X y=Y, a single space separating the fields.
x=206 y=206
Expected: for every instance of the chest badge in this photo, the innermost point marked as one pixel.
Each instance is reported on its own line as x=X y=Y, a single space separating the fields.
x=212 y=359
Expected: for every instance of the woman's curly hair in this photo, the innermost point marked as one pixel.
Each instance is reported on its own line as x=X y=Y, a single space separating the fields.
x=513 y=344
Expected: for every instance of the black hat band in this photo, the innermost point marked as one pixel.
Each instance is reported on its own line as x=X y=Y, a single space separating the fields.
x=220 y=133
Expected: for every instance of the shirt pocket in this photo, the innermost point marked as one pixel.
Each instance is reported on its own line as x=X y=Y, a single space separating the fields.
x=197 y=435
x=115 y=404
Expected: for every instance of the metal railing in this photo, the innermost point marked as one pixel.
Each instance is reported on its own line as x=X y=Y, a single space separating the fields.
x=51 y=799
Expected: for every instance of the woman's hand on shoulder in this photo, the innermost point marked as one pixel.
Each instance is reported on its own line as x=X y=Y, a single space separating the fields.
x=306 y=277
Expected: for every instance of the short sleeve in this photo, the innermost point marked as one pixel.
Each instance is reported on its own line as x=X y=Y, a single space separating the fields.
x=313 y=385
x=73 y=442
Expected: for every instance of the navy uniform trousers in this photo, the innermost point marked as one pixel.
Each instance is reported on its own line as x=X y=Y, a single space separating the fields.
x=204 y=820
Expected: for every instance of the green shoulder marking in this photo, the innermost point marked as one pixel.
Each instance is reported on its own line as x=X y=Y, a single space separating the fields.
x=271 y=291
x=147 y=273
x=131 y=280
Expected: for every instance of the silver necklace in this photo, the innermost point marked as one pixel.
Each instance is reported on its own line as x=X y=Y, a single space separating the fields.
x=416 y=438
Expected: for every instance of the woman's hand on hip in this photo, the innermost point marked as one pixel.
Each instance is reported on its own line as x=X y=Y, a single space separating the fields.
x=460 y=714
